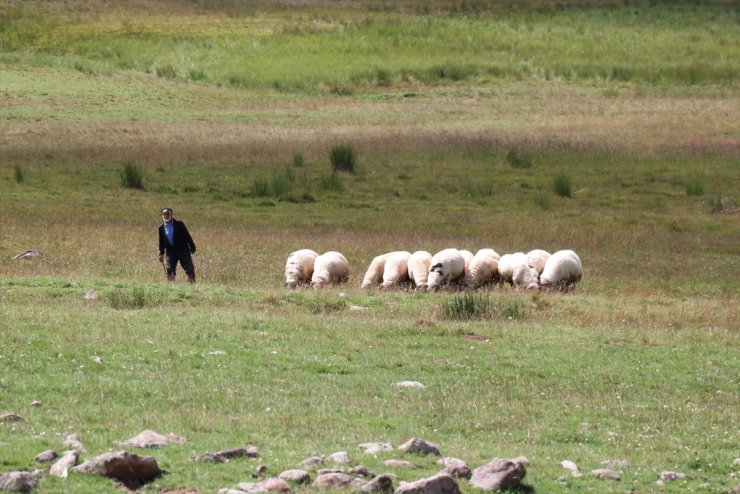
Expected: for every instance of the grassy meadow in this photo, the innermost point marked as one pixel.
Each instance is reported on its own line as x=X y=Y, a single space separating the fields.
x=610 y=128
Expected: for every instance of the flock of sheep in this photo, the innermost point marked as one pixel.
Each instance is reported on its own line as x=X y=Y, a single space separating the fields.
x=534 y=270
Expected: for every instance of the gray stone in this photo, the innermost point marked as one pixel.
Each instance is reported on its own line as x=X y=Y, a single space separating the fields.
x=605 y=473
x=455 y=467
x=228 y=454
x=671 y=476
x=362 y=470
x=381 y=483
x=151 y=439
x=615 y=464
x=375 y=448
x=18 y=482
x=47 y=456
x=295 y=475
x=333 y=481
x=312 y=461
x=227 y=490
x=420 y=446
x=29 y=254
x=274 y=484
x=11 y=417
x=400 y=464
x=571 y=467
x=63 y=464
x=735 y=490
x=130 y=469
x=498 y=474
x=72 y=441
x=410 y=384
x=437 y=484
x=340 y=458
x=252 y=488
x=324 y=471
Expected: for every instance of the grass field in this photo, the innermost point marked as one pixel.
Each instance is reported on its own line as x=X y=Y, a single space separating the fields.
x=463 y=116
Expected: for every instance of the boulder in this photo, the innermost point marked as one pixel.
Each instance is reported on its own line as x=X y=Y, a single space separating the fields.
x=151 y=439
x=420 y=446
x=382 y=483
x=295 y=475
x=47 y=456
x=441 y=483
x=130 y=469
x=605 y=473
x=455 y=467
x=375 y=448
x=498 y=474
x=63 y=464
x=333 y=481
x=18 y=482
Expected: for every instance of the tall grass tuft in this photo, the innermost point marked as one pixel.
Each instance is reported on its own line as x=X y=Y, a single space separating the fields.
x=470 y=306
x=542 y=201
x=132 y=176
x=694 y=187
x=18 y=174
x=331 y=183
x=298 y=160
x=519 y=159
x=562 y=184
x=718 y=204
x=135 y=297
x=343 y=158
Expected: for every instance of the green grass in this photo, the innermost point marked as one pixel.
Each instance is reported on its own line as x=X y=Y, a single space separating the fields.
x=231 y=112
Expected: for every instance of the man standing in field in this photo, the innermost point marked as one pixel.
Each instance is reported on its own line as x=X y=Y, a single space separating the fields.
x=175 y=244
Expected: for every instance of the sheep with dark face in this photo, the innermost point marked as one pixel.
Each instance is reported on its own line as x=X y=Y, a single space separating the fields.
x=447 y=267
x=299 y=267
x=419 y=264
x=328 y=269
x=562 y=271
x=483 y=269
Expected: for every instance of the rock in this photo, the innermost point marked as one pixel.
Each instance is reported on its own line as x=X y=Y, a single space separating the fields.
x=562 y=479
x=251 y=488
x=62 y=466
x=736 y=462
x=375 y=448
x=227 y=490
x=151 y=439
x=437 y=484
x=735 y=490
x=340 y=458
x=29 y=254
x=90 y=295
x=274 y=484
x=400 y=464
x=324 y=471
x=615 y=464
x=671 y=476
x=210 y=457
x=420 y=446
x=455 y=467
x=312 y=461
x=333 y=481
x=297 y=476
x=47 y=456
x=97 y=359
x=571 y=467
x=498 y=474
x=358 y=308
x=410 y=384
x=11 y=417
x=260 y=470
x=228 y=454
x=18 y=482
x=130 y=469
x=362 y=470
x=605 y=473
x=381 y=483
x=72 y=441
x=36 y=404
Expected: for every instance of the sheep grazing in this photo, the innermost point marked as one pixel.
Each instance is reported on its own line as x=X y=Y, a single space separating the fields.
x=536 y=259
x=329 y=268
x=299 y=267
x=396 y=269
x=483 y=269
x=447 y=267
x=562 y=271
x=419 y=264
x=467 y=257
x=514 y=269
x=374 y=273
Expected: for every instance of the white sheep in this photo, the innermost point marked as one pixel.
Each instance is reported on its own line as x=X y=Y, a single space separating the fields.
x=329 y=268
x=299 y=267
x=419 y=264
x=483 y=268
x=467 y=257
x=396 y=269
x=374 y=273
x=536 y=258
x=514 y=269
x=447 y=266
x=562 y=271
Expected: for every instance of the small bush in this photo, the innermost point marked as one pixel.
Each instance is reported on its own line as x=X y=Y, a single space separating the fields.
x=331 y=183
x=298 y=160
x=519 y=159
x=166 y=71
x=132 y=176
x=134 y=298
x=719 y=204
x=563 y=186
x=542 y=201
x=343 y=159
x=694 y=187
x=481 y=306
x=18 y=174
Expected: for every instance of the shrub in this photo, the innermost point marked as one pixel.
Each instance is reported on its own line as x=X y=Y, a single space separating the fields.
x=563 y=186
x=134 y=298
x=481 y=306
x=18 y=174
x=166 y=71
x=298 y=160
x=519 y=159
x=343 y=158
x=132 y=176
x=331 y=183
x=542 y=201
x=694 y=187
